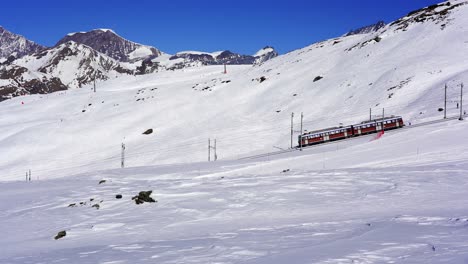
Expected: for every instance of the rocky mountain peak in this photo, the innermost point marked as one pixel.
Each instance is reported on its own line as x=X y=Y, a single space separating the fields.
x=16 y=45
x=108 y=42
x=83 y=64
x=267 y=53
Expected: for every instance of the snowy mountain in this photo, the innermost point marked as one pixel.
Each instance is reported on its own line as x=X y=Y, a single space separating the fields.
x=108 y=42
x=75 y=64
x=398 y=198
x=195 y=58
x=367 y=29
x=69 y=65
x=265 y=54
x=15 y=45
x=100 y=54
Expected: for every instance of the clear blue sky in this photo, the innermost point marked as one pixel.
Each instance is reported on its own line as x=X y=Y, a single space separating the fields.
x=242 y=26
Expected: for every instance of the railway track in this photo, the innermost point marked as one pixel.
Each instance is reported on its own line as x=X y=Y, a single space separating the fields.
x=268 y=154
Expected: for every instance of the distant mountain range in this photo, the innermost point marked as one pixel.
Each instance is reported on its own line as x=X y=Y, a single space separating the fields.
x=82 y=57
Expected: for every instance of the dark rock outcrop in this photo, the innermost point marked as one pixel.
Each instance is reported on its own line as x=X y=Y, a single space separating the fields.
x=143 y=196
x=19 y=84
x=60 y=235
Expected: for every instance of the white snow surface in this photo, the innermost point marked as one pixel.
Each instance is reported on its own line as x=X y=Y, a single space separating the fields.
x=399 y=199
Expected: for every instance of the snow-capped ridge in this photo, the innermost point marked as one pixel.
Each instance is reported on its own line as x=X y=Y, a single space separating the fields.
x=108 y=42
x=265 y=54
x=367 y=29
x=263 y=51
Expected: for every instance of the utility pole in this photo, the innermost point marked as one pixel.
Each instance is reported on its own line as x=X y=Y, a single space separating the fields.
x=209 y=149
x=94 y=81
x=461 y=102
x=215 y=155
x=370 y=114
x=300 y=144
x=214 y=149
x=95 y=72
x=122 y=162
x=292 y=131
x=445 y=103
x=383 y=116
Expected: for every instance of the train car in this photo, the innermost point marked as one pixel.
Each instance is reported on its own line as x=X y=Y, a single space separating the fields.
x=393 y=123
x=338 y=133
x=324 y=135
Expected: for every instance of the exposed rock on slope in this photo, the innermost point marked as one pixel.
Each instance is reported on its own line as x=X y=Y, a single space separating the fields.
x=17 y=80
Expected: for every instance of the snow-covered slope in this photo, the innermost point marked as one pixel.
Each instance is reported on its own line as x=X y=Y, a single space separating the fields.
x=247 y=110
x=352 y=202
x=15 y=45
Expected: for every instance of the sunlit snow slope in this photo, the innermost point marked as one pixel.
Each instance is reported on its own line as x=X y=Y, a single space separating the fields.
x=402 y=68
x=397 y=199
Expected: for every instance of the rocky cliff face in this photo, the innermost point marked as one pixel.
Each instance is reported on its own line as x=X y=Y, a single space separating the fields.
x=15 y=45
x=108 y=42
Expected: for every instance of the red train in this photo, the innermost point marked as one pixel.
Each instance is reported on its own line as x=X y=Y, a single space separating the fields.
x=337 y=133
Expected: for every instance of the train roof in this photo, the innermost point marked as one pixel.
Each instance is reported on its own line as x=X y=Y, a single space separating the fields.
x=349 y=126
x=326 y=129
x=379 y=119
